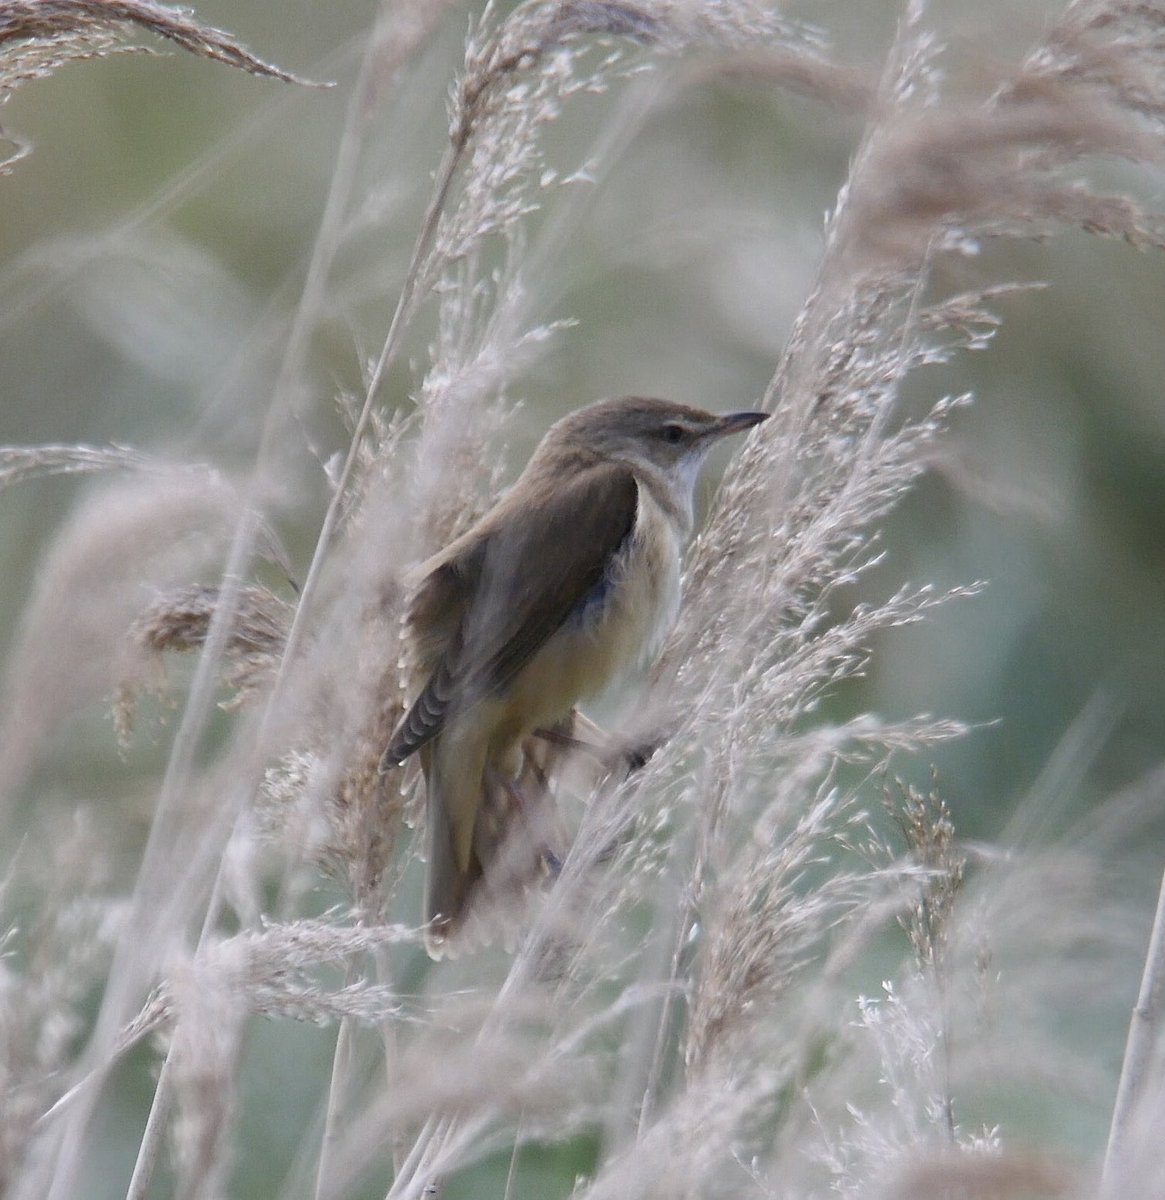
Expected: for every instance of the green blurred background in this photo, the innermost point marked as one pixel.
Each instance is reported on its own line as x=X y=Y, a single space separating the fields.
x=153 y=244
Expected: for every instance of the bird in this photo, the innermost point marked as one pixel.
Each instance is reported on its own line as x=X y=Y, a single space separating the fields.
x=570 y=581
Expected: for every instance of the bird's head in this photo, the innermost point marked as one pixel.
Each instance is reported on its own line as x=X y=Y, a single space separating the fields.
x=641 y=430
x=655 y=437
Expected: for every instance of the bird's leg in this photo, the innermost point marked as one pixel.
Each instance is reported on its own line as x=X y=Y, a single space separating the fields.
x=608 y=751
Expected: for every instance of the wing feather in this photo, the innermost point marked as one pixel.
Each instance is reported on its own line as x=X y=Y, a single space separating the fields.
x=436 y=612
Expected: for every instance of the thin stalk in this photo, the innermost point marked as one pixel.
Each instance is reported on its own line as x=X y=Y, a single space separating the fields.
x=445 y=174
x=431 y=1133
x=512 y=1173
x=150 y=1146
x=684 y=921
x=340 y=1063
x=388 y=1040
x=675 y=934
x=945 y=1040
x=650 y=1099
x=1139 y=1050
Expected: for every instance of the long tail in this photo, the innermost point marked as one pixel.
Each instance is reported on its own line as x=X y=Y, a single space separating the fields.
x=453 y=795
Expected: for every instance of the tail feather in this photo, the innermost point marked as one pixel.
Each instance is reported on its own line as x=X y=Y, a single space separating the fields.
x=452 y=868
x=447 y=886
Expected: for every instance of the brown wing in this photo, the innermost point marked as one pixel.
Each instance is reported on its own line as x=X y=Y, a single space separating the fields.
x=537 y=567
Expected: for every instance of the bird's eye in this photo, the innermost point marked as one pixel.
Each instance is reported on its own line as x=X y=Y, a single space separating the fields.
x=673 y=434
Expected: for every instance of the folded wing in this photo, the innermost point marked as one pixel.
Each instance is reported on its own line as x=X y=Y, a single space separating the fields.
x=508 y=592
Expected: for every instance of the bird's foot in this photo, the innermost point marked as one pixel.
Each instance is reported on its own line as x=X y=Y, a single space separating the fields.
x=611 y=753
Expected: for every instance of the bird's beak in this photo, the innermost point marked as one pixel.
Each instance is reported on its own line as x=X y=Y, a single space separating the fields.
x=735 y=422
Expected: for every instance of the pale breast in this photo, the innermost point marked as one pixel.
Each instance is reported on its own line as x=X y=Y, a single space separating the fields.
x=646 y=599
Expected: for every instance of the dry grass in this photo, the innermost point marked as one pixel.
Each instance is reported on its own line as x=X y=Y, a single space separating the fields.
x=681 y=999
x=38 y=36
